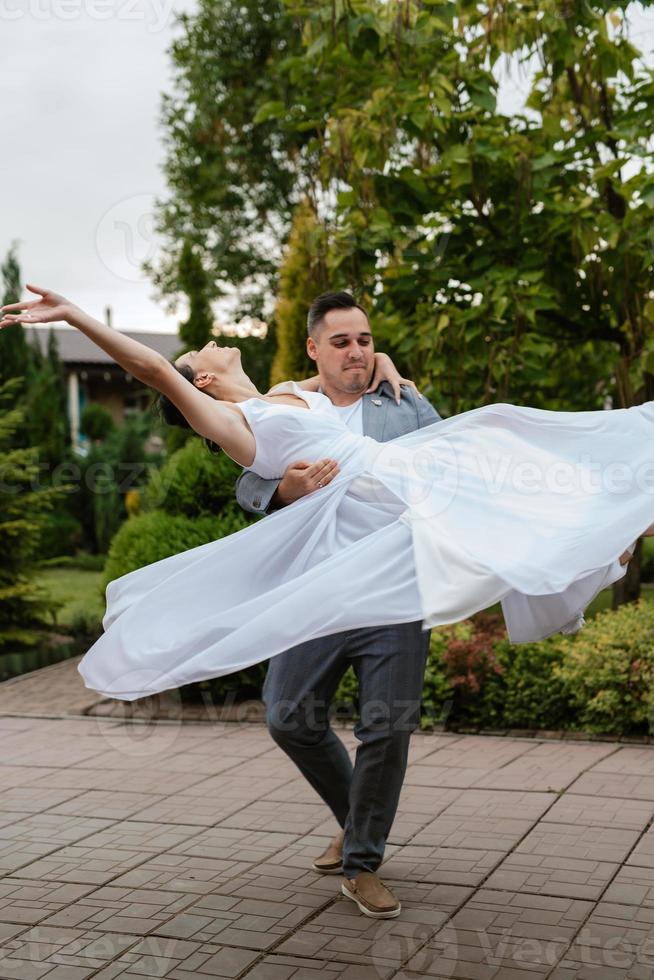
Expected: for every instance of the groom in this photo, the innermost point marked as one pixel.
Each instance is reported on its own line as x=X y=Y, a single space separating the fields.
x=389 y=661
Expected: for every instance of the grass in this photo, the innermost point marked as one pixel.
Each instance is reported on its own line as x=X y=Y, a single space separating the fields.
x=79 y=589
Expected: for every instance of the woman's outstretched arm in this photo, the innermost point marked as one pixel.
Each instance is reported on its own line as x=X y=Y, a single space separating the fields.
x=208 y=417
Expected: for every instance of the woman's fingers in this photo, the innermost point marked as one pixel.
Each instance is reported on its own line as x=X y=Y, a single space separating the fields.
x=35 y=289
x=21 y=306
x=412 y=384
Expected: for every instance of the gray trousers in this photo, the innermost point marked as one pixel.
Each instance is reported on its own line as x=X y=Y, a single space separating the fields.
x=389 y=662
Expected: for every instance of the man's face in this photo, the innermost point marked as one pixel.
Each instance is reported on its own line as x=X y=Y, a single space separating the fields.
x=343 y=350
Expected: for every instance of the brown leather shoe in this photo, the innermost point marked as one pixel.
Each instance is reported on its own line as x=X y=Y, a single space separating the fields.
x=371 y=895
x=330 y=861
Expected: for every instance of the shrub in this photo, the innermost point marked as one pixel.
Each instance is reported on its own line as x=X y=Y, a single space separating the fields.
x=149 y=537
x=528 y=693
x=96 y=421
x=194 y=482
x=61 y=534
x=608 y=670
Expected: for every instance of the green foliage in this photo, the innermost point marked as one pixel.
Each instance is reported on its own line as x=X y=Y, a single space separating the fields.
x=188 y=502
x=152 y=536
x=97 y=421
x=195 y=483
x=22 y=508
x=193 y=281
x=504 y=258
x=104 y=476
x=608 y=671
x=45 y=404
x=15 y=353
x=303 y=276
x=232 y=178
x=61 y=534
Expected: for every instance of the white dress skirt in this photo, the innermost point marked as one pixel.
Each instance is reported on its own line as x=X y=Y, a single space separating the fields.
x=522 y=506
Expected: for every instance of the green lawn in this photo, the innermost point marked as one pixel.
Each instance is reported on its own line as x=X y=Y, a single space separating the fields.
x=79 y=589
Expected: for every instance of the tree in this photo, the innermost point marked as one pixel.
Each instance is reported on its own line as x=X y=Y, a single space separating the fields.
x=14 y=349
x=23 y=506
x=502 y=257
x=231 y=177
x=302 y=276
x=46 y=417
x=193 y=282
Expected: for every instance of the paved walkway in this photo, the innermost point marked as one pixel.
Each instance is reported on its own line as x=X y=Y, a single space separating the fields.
x=134 y=850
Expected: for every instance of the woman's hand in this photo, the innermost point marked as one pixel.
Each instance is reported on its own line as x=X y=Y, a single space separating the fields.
x=385 y=370
x=48 y=308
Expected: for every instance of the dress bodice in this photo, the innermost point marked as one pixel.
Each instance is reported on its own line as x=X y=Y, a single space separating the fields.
x=285 y=434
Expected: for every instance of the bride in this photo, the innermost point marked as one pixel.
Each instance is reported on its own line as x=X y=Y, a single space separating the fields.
x=523 y=506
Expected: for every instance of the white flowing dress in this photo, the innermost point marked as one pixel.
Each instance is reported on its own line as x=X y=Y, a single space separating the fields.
x=524 y=506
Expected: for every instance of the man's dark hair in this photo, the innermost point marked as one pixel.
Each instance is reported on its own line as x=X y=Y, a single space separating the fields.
x=326 y=302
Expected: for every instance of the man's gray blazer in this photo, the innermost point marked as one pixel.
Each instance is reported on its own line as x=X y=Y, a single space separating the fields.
x=383 y=419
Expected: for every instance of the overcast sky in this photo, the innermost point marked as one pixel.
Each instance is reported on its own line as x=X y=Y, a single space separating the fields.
x=81 y=83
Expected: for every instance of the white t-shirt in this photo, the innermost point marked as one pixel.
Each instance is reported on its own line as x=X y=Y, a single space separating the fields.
x=352 y=415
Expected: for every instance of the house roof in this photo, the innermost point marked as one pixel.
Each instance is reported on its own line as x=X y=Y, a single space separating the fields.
x=76 y=348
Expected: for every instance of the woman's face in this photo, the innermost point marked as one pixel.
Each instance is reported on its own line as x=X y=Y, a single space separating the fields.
x=211 y=359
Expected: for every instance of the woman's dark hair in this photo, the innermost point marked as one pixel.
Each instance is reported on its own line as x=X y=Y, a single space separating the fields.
x=170 y=413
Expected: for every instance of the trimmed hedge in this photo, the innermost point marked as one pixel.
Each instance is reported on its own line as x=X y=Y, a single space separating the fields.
x=149 y=537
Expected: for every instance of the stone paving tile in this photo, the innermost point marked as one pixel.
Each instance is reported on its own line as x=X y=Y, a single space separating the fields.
x=232 y=921
x=501 y=935
x=271 y=882
x=28 y=902
x=616 y=943
x=142 y=836
x=468 y=752
x=175 y=959
x=589 y=811
x=83 y=864
x=549 y=766
x=456 y=865
x=62 y=753
x=576 y=841
x=195 y=874
x=642 y=855
x=186 y=809
x=275 y=967
x=112 y=804
x=613 y=784
x=237 y=787
x=9 y=724
x=476 y=833
x=341 y=932
x=500 y=803
x=635 y=760
x=38 y=834
x=233 y=844
x=21 y=775
x=60 y=952
x=33 y=799
x=563 y=860
x=204 y=764
x=428 y=801
x=140 y=779
x=118 y=909
x=274 y=815
x=447 y=776
x=632 y=886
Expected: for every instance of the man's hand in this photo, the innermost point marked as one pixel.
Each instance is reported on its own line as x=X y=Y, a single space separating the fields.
x=302 y=478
